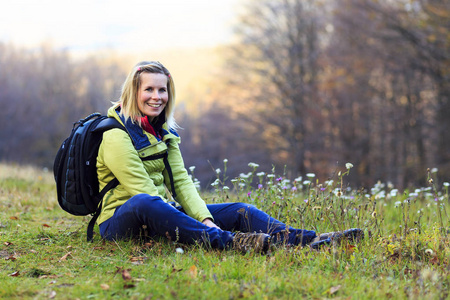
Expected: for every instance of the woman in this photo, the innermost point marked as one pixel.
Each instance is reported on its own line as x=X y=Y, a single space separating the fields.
x=147 y=162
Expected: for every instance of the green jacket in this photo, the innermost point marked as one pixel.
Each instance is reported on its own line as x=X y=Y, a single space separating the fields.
x=118 y=157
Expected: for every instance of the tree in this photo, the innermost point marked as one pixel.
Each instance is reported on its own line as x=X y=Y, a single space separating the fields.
x=278 y=58
x=405 y=51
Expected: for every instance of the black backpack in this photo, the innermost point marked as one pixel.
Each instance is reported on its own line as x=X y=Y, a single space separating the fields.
x=75 y=168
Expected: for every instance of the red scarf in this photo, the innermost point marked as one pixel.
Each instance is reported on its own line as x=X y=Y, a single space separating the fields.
x=148 y=127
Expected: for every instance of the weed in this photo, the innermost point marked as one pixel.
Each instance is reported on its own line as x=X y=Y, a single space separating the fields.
x=43 y=253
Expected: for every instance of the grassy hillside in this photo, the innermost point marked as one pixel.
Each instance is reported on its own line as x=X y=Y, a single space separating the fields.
x=44 y=255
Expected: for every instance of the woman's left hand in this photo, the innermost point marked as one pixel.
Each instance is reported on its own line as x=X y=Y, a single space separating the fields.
x=208 y=222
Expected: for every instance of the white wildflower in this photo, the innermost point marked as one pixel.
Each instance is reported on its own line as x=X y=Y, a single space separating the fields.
x=215 y=183
x=179 y=250
x=260 y=174
x=225 y=188
x=192 y=168
x=285 y=182
x=310 y=175
x=348 y=166
x=298 y=179
x=243 y=176
x=446 y=184
x=253 y=165
x=225 y=161
x=434 y=170
x=306 y=182
x=380 y=195
x=218 y=171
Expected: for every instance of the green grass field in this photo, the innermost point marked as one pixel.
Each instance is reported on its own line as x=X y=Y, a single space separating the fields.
x=406 y=252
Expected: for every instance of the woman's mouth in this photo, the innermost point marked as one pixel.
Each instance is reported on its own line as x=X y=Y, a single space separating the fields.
x=154 y=105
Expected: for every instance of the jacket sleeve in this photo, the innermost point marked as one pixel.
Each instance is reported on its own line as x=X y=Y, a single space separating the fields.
x=185 y=189
x=121 y=158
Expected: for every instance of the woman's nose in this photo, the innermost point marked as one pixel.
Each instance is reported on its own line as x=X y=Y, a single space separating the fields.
x=155 y=95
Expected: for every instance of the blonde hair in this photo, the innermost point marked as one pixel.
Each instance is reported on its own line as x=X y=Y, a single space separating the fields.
x=130 y=88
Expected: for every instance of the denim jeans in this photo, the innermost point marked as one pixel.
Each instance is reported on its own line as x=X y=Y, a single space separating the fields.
x=163 y=219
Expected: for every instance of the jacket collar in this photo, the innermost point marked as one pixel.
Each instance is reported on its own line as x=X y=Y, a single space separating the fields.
x=141 y=139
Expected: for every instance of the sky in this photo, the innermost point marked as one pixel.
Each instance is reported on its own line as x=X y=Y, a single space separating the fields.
x=123 y=25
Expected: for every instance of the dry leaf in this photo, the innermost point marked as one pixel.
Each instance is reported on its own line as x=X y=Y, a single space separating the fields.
x=193 y=271
x=15 y=274
x=45 y=225
x=14 y=218
x=434 y=260
x=350 y=249
x=137 y=260
x=104 y=286
x=334 y=289
x=126 y=275
x=52 y=295
x=7 y=243
x=65 y=256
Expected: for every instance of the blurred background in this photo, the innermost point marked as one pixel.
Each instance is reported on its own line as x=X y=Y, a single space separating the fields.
x=300 y=85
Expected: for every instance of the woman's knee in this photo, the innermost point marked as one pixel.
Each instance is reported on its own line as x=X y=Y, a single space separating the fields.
x=245 y=206
x=143 y=202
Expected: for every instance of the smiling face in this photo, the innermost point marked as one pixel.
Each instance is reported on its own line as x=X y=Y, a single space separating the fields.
x=152 y=95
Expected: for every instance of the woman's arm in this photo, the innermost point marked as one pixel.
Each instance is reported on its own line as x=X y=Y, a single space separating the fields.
x=185 y=189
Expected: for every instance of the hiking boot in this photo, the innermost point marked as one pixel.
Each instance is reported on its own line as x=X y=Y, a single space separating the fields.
x=320 y=243
x=353 y=234
x=251 y=241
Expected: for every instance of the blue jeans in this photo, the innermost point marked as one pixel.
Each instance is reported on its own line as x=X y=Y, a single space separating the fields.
x=163 y=219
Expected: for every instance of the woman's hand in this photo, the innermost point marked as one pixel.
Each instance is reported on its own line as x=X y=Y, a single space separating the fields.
x=208 y=222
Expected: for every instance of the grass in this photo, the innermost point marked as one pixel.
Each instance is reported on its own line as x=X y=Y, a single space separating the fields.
x=44 y=253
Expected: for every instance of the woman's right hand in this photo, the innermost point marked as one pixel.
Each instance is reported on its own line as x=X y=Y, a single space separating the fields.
x=208 y=222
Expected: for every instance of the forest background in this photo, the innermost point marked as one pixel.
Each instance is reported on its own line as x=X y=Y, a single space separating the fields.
x=305 y=86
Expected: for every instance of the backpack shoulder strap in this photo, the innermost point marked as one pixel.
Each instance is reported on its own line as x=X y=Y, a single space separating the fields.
x=107 y=124
x=104 y=125
x=90 y=229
